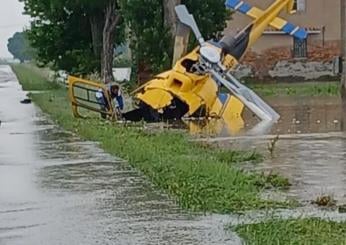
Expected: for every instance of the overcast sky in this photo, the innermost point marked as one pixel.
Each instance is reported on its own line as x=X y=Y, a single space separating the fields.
x=11 y=21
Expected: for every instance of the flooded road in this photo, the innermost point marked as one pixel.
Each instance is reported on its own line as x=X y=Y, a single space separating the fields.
x=315 y=164
x=311 y=150
x=57 y=189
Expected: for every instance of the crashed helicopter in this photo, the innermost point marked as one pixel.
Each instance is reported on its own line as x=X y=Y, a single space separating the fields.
x=192 y=88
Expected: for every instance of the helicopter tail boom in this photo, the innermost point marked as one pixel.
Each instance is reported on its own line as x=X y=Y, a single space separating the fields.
x=277 y=23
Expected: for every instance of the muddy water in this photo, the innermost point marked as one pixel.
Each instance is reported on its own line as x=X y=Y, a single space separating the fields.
x=315 y=164
x=311 y=150
x=304 y=115
x=57 y=189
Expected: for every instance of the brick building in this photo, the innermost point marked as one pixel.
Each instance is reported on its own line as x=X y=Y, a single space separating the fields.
x=276 y=55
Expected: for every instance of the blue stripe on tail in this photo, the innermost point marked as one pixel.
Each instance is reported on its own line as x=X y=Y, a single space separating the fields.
x=288 y=28
x=299 y=33
x=232 y=3
x=244 y=7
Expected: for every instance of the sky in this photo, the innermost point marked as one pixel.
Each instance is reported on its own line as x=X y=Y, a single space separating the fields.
x=11 y=21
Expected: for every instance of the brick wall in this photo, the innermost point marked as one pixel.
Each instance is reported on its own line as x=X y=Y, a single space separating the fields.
x=320 y=61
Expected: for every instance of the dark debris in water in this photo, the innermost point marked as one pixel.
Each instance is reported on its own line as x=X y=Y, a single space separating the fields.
x=342 y=209
x=25 y=101
x=325 y=201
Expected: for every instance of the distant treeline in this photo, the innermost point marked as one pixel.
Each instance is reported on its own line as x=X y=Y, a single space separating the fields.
x=19 y=46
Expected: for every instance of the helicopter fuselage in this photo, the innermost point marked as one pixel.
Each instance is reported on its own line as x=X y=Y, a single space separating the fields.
x=193 y=85
x=188 y=89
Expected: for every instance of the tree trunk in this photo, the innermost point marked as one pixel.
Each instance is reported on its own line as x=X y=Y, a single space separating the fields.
x=170 y=21
x=96 y=26
x=170 y=18
x=181 y=42
x=112 y=18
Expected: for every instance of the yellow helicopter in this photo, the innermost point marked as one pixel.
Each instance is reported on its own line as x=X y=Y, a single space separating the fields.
x=193 y=87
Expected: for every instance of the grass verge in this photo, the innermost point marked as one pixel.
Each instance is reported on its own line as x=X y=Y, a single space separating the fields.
x=298 y=89
x=303 y=231
x=33 y=77
x=199 y=177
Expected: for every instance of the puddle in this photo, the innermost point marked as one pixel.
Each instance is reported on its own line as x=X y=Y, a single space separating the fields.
x=311 y=150
x=316 y=164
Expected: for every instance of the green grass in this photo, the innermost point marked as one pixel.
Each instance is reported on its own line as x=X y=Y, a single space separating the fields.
x=199 y=177
x=34 y=78
x=289 y=232
x=298 y=89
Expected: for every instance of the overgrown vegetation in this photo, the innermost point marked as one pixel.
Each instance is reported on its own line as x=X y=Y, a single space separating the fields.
x=34 y=78
x=325 y=201
x=287 y=232
x=298 y=89
x=274 y=179
x=272 y=145
x=201 y=178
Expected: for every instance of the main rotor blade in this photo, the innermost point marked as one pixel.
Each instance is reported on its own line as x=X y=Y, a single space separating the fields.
x=187 y=19
x=250 y=99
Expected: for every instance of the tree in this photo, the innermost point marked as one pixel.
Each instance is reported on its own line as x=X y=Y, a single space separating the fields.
x=75 y=35
x=80 y=35
x=153 y=28
x=18 y=45
x=112 y=17
x=211 y=16
x=149 y=37
x=170 y=18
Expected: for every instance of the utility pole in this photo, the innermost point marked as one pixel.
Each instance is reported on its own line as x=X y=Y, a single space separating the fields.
x=181 y=41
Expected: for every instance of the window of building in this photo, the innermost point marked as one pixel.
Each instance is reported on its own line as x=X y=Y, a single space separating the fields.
x=299 y=5
x=300 y=48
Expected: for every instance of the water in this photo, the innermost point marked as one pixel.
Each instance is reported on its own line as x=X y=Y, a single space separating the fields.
x=311 y=150
x=57 y=189
x=314 y=164
x=299 y=115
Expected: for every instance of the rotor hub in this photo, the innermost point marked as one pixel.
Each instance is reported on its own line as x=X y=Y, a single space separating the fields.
x=210 y=54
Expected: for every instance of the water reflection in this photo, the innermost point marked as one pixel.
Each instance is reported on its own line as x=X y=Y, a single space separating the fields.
x=299 y=115
x=309 y=115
